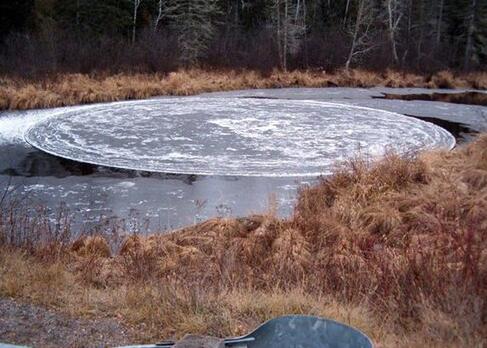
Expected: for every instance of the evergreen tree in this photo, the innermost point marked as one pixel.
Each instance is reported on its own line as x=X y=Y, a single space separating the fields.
x=194 y=22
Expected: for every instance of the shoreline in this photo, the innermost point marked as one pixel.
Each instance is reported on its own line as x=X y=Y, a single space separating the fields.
x=78 y=89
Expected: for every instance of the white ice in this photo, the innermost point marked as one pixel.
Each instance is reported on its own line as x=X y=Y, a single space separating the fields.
x=229 y=136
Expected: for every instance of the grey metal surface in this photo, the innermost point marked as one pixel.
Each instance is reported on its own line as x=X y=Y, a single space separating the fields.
x=299 y=331
x=295 y=331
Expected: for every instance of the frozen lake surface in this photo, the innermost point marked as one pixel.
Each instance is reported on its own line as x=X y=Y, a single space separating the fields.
x=154 y=201
x=231 y=136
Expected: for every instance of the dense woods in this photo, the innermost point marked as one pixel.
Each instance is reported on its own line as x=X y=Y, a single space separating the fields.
x=41 y=37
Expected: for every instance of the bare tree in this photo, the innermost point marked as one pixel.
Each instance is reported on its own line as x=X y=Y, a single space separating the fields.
x=394 y=15
x=136 y=4
x=299 y=26
x=421 y=27
x=361 y=30
x=441 y=8
x=409 y=26
x=290 y=23
x=278 y=19
x=471 y=19
x=347 y=7
x=160 y=14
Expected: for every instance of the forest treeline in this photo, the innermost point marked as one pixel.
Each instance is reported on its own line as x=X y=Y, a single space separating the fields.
x=39 y=37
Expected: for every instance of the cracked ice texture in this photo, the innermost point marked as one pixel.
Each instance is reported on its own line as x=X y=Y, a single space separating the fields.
x=230 y=136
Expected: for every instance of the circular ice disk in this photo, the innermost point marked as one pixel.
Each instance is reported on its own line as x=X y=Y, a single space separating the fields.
x=230 y=136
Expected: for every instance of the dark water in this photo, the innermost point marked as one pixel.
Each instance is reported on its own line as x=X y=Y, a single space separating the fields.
x=467 y=97
x=462 y=132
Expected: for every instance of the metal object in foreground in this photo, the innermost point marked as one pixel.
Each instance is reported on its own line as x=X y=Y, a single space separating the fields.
x=294 y=331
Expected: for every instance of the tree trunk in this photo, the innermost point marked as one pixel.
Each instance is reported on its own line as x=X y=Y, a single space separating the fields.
x=279 y=39
x=347 y=6
x=358 y=23
x=470 y=32
x=136 y=7
x=159 y=15
x=440 y=21
x=419 y=46
x=392 y=31
x=286 y=35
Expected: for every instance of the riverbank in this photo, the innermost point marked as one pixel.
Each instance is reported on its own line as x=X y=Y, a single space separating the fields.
x=396 y=248
x=74 y=89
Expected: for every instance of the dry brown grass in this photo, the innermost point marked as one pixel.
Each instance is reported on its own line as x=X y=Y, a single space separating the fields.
x=64 y=90
x=397 y=248
x=158 y=309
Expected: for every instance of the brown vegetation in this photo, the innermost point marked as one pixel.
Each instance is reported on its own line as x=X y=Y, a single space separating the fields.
x=73 y=89
x=397 y=248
